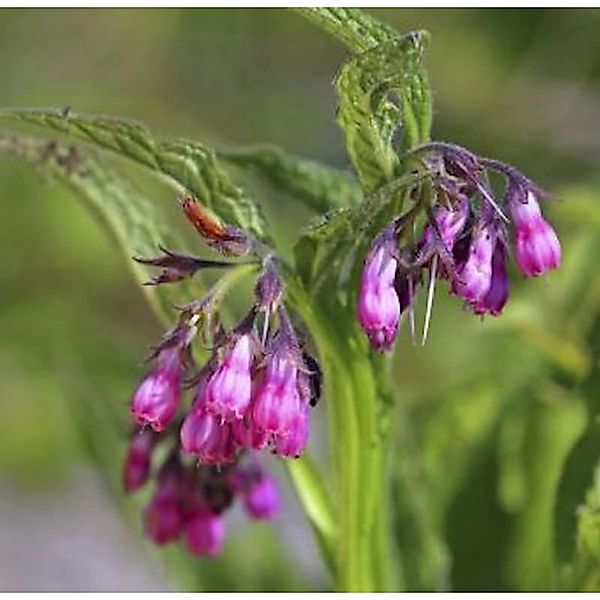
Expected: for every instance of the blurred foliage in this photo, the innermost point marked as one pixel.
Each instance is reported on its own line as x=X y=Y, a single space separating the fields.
x=496 y=461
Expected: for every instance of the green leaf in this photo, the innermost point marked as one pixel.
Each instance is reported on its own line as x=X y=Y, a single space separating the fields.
x=386 y=65
x=367 y=112
x=129 y=218
x=189 y=166
x=318 y=187
x=583 y=574
x=555 y=420
x=352 y=26
x=417 y=110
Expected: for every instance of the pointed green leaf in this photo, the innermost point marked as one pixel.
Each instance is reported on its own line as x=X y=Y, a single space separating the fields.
x=367 y=112
x=189 y=166
x=352 y=26
x=129 y=218
x=318 y=187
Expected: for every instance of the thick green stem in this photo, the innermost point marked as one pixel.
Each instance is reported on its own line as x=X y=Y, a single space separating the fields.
x=361 y=537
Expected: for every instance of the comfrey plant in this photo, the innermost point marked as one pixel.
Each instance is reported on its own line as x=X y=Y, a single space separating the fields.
x=224 y=390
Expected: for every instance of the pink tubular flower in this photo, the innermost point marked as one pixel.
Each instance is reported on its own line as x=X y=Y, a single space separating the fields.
x=203 y=436
x=205 y=533
x=156 y=400
x=248 y=436
x=378 y=305
x=228 y=391
x=261 y=498
x=197 y=429
x=473 y=279
x=277 y=401
x=291 y=444
x=537 y=248
x=136 y=468
x=495 y=299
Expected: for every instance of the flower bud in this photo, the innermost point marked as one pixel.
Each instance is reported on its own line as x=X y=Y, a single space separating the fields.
x=291 y=444
x=246 y=435
x=261 y=498
x=203 y=436
x=156 y=400
x=473 y=279
x=228 y=390
x=378 y=305
x=450 y=224
x=537 y=248
x=277 y=400
x=205 y=534
x=495 y=299
x=136 y=468
x=163 y=521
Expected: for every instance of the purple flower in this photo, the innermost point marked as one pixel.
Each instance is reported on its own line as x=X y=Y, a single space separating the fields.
x=495 y=299
x=205 y=533
x=228 y=391
x=136 y=468
x=277 y=400
x=473 y=278
x=261 y=498
x=450 y=224
x=246 y=435
x=291 y=443
x=537 y=247
x=156 y=400
x=378 y=305
x=203 y=436
x=197 y=428
x=163 y=521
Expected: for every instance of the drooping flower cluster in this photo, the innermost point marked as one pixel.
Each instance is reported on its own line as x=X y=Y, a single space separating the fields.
x=253 y=393
x=189 y=500
x=465 y=240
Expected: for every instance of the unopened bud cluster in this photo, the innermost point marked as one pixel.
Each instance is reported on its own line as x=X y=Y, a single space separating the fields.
x=466 y=239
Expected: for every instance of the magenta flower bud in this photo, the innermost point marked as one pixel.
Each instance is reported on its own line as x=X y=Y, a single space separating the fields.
x=495 y=299
x=537 y=248
x=261 y=498
x=205 y=534
x=203 y=436
x=291 y=444
x=473 y=279
x=378 y=305
x=228 y=391
x=156 y=400
x=136 y=468
x=197 y=429
x=246 y=435
x=277 y=400
x=163 y=521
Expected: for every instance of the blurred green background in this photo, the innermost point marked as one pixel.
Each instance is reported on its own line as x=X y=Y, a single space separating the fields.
x=494 y=408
